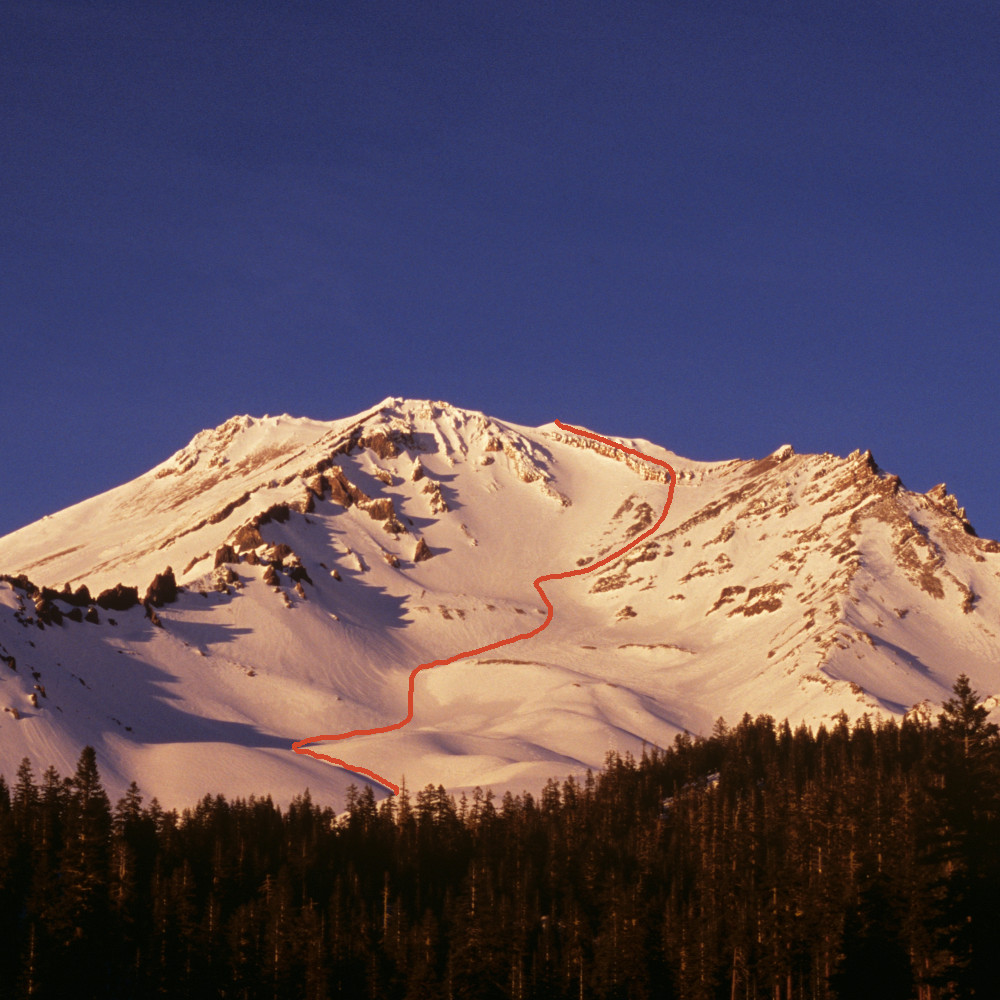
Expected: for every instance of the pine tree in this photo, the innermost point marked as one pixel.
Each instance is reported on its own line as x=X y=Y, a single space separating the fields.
x=963 y=832
x=874 y=964
x=25 y=795
x=80 y=922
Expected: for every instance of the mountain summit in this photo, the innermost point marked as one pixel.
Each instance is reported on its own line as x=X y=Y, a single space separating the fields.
x=280 y=577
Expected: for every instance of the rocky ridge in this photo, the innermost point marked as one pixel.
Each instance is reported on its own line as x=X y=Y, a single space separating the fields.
x=320 y=561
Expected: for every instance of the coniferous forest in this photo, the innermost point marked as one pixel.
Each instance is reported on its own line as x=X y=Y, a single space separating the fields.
x=851 y=861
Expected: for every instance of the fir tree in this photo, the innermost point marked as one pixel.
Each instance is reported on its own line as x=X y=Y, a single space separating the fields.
x=874 y=964
x=963 y=833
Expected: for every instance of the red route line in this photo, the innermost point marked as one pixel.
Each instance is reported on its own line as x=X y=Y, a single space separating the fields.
x=300 y=747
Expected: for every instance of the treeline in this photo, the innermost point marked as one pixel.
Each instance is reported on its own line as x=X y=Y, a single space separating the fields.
x=760 y=862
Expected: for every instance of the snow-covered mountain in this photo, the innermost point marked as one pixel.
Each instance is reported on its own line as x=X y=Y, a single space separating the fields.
x=316 y=563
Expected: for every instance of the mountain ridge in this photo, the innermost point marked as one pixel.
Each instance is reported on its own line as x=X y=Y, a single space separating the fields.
x=313 y=564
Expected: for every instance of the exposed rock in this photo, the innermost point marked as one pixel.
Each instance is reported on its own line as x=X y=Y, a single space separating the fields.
x=118 y=598
x=296 y=571
x=47 y=612
x=226 y=554
x=624 y=507
x=342 y=490
x=279 y=513
x=422 y=552
x=194 y=562
x=644 y=469
x=391 y=559
x=163 y=589
x=75 y=614
x=700 y=568
x=418 y=471
x=271 y=577
x=728 y=596
x=612 y=581
x=642 y=519
x=247 y=537
x=385 y=443
x=382 y=444
x=318 y=486
x=761 y=599
x=339 y=488
x=221 y=515
x=381 y=509
x=278 y=553
x=300 y=591
x=724 y=535
x=92 y=616
x=384 y=476
x=942 y=498
x=21 y=582
x=763 y=465
x=437 y=501
x=647 y=552
x=80 y=599
x=251 y=558
x=357 y=494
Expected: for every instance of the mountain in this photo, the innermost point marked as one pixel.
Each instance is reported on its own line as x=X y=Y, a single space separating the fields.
x=281 y=577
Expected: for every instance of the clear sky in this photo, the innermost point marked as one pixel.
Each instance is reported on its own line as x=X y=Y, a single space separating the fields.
x=720 y=226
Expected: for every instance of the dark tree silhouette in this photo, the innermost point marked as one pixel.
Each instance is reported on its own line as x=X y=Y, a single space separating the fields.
x=855 y=861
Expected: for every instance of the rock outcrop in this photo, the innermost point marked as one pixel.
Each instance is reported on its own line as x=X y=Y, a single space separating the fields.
x=163 y=589
x=47 y=612
x=118 y=598
x=226 y=554
x=435 y=498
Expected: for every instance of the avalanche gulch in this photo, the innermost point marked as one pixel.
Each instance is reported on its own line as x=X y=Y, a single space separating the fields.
x=312 y=564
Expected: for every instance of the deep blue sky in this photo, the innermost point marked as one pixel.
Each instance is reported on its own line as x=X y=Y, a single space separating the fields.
x=721 y=226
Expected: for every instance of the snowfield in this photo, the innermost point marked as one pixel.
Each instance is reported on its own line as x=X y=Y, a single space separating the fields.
x=796 y=585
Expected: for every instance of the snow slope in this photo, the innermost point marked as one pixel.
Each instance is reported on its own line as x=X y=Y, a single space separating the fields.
x=799 y=585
